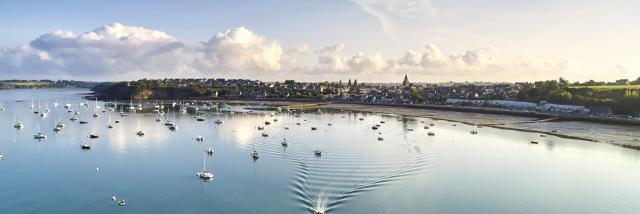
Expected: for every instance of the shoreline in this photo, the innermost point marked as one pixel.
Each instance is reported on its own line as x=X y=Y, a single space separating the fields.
x=494 y=119
x=619 y=133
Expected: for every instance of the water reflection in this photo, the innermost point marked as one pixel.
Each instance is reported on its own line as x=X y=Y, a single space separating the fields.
x=408 y=172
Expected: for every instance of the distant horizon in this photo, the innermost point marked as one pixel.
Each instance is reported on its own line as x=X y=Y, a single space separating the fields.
x=318 y=81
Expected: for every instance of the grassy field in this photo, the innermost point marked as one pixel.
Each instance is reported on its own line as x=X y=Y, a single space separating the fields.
x=609 y=87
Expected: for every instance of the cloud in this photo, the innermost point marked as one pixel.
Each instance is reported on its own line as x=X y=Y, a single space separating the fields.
x=390 y=12
x=118 y=51
x=240 y=49
x=331 y=49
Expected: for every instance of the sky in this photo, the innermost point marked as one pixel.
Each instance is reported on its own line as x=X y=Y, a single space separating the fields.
x=321 y=40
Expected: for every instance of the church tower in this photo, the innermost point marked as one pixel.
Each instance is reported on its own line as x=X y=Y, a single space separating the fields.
x=405 y=82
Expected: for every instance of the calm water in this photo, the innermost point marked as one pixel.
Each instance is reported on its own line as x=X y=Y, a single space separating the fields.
x=495 y=171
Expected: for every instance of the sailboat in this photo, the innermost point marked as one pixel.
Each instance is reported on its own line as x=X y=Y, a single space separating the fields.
x=198 y=117
x=39 y=135
x=95 y=109
x=204 y=174
x=109 y=124
x=17 y=124
x=140 y=132
x=57 y=127
x=93 y=134
x=132 y=108
x=67 y=105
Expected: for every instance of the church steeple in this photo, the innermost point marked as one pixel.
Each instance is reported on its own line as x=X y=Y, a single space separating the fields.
x=405 y=82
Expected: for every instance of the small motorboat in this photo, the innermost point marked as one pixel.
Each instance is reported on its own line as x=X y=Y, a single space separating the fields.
x=57 y=129
x=374 y=127
x=39 y=136
x=474 y=132
x=122 y=203
x=431 y=134
x=260 y=128
x=317 y=152
x=298 y=124
x=218 y=121
x=426 y=127
x=410 y=130
x=60 y=125
x=380 y=138
x=209 y=151
x=140 y=133
x=18 y=125
x=85 y=146
x=169 y=123
x=83 y=122
x=534 y=142
x=329 y=124
x=94 y=136
x=110 y=126
x=284 y=143
x=199 y=138
x=314 y=128
x=267 y=123
x=74 y=118
x=199 y=118
x=361 y=118
x=205 y=175
x=286 y=128
x=265 y=135
x=117 y=121
x=173 y=128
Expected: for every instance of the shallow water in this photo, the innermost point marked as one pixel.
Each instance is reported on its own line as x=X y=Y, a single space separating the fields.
x=495 y=171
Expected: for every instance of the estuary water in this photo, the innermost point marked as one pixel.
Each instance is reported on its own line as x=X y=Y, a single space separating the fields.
x=396 y=168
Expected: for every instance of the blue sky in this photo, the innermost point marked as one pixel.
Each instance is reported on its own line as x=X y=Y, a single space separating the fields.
x=373 y=40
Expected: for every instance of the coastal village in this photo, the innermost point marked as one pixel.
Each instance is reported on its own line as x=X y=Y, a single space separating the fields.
x=508 y=96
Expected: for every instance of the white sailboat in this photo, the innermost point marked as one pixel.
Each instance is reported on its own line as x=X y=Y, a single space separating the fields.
x=109 y=125
x=140 y=132
x=39 y=135
x=67 y=105
x=95 y=109
x=205 y=174
x=17 y=124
